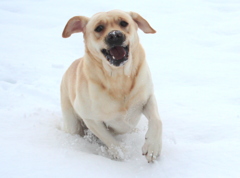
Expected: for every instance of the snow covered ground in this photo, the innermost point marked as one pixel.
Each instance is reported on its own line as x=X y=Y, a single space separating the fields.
x=195 y=63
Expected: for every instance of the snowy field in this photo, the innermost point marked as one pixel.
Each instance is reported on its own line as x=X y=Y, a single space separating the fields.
x=195 y=62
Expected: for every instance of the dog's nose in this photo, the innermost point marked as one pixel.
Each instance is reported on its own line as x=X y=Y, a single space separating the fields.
x=115 y=38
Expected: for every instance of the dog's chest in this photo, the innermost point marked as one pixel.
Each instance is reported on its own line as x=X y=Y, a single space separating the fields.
x=125 y=106
x=120 y=114
x=118 y=103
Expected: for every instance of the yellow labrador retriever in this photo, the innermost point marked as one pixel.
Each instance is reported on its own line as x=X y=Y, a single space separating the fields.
x=109 y=88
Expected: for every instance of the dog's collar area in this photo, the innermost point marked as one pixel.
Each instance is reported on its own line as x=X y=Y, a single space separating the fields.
x=117 y=55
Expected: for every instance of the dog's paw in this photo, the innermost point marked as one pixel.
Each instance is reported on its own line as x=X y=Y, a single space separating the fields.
x=117 y=152
x=151 y=149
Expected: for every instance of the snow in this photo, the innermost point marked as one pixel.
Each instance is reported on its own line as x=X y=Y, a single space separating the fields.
x=195 y=62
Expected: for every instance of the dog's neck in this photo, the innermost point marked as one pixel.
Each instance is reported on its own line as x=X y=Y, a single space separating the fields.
x=118 y=81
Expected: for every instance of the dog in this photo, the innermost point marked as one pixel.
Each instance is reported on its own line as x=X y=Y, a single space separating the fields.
x=108 y=89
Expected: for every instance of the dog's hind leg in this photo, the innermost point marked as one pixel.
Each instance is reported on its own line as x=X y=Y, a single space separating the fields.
x=72 y=123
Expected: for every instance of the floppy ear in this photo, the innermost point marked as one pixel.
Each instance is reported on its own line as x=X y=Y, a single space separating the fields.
x=142 y=23
x=74 y=25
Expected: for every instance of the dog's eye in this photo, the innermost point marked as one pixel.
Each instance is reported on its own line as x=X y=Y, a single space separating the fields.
x=99 y=28
x=123 y=23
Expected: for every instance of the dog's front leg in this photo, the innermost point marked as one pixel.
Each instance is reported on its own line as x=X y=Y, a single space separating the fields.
x=99 y=130
x=153 y=139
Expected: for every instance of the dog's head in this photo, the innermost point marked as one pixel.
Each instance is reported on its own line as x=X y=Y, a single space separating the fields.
x=109 y=36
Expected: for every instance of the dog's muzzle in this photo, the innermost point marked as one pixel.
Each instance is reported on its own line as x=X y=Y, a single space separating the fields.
x=117 y=53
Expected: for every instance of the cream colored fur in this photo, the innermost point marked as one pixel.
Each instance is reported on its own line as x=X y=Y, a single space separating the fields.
x=106 y=99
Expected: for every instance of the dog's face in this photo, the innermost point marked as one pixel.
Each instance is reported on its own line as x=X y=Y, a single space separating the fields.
x=109 y=36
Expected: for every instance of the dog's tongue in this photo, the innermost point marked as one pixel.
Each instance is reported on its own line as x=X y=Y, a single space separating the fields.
x=118 y=52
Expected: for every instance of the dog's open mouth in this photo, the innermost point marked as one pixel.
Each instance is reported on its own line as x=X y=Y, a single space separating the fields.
x=117 y=55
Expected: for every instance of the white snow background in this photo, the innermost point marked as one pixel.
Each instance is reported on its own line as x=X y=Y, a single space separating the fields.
x=195 y=62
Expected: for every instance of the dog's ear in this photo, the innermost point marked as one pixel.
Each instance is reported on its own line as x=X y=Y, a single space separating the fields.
x=74 y=25
x=142 y=23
